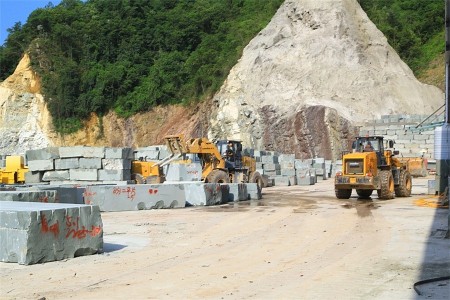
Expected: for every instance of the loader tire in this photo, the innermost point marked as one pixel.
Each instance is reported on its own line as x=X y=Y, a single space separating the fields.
x=343 y=193
x=387 y=185
x=138 y=178
x=364 y=193
x=405 y=184
x=255 y=177
x=218 y=176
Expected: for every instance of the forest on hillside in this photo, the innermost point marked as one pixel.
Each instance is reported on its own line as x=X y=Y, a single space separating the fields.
x=414 y=28
x=131 y=55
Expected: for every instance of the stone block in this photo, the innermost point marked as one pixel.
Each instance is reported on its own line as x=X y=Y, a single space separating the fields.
x=33 y=176
x=29 y=196
x=147 y=155
x=259 y=153
x=116 y=164
x=56 y=175
x=319 y=160
x=136 y=197
x=306 y=180
x=225 y=193
x=66 y=194
x=94 y=152
x=288 y=172
x=271 y=166
x=238 y=192
x=42 y=154
x=40 y=165
x=67 y=163
x=74 y=151
x=199 y=193
x=259 y=165
x=121 y=153
x=184 y=172
x=300 y=164
x=254 y=191
x=90 y=163
x=271 y=172
x=292 y=180
x=287 y=165
x=281 y=181
x=286 y=158
x=33 y=233
x=269 y=159
x=83 y=174
x=114 y=175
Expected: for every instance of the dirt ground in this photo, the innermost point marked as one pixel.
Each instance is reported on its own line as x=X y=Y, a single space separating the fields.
x=297 y=243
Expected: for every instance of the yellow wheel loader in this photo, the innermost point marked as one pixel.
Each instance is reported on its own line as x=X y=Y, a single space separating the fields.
x=222 y=162
x=371 y=167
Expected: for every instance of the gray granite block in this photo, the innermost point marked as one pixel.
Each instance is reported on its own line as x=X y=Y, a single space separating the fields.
x=67 y=163
x=40 y=165
x=33 y=233
x=56 y=175
x=121 y=153
x=24 y=195
x=135 y=197
x=90 y=163
x=199 y=193
x=42 y=154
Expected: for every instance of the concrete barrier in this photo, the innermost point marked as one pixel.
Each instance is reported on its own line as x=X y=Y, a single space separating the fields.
x=33 y=233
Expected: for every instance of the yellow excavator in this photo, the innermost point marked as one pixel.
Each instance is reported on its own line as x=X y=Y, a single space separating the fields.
x=370 y=168
x=222 y=162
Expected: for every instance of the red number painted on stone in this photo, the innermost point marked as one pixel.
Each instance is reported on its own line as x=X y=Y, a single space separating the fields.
x=152 y=191
x=73 y=229
x=45 y=228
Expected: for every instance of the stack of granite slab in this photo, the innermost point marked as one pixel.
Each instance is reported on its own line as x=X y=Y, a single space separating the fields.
x=79 y=164
x=285 y=170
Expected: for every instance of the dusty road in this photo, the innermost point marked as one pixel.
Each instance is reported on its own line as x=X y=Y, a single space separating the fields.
x=296 y=243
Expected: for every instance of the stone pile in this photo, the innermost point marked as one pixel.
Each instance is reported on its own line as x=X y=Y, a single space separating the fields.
x=79 y=164
x=410 y=139
x=286 y=170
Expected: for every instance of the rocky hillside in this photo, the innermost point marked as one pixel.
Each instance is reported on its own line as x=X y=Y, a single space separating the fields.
x=318 y=69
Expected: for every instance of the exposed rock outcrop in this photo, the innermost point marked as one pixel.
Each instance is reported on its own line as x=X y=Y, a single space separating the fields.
x=317 y=68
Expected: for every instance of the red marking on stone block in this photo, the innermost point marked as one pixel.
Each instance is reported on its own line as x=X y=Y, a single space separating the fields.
x=43 y=199
x=45 y=228
x=152 y=191
x=73 y=229
x=130 y=191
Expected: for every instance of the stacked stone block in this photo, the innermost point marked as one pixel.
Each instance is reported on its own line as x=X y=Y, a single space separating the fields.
x=79 y=164
x=411 y=142
x=285 y=170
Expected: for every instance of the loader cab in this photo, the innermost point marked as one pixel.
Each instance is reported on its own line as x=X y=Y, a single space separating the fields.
x=372 y=144
x=231 y=152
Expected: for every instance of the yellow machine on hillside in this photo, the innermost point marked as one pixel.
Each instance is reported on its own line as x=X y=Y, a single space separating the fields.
x=222 y=162
x=14 y=170
x=370 y=167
